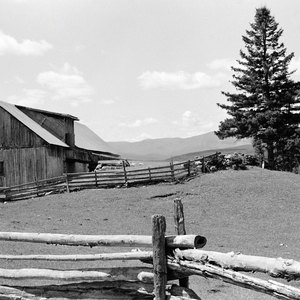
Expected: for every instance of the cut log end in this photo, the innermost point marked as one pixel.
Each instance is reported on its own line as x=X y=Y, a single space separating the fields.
x=200 y=241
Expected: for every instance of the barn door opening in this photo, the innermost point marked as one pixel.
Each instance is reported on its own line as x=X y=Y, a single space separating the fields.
x=71 y=167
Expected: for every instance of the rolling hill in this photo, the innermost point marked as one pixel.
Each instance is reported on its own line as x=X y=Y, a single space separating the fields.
x=160 y=149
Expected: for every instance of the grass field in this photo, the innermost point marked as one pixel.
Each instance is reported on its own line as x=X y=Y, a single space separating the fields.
x=255 y=212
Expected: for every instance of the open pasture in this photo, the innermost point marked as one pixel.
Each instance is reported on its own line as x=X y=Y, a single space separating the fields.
x=255 y=212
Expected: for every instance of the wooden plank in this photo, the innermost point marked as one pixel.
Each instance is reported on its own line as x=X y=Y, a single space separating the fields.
x=99 y=274
x=174 y=241
x=58 y=179
x=270 y=287
x=275 y=267
x=78 y=240
x=125 y=290
x=138 y=255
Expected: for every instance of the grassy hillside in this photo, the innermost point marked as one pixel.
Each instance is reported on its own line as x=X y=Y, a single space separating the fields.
x=255 y=212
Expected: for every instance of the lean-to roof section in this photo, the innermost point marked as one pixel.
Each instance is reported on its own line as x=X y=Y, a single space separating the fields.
x=85 y=138
x=32 y=125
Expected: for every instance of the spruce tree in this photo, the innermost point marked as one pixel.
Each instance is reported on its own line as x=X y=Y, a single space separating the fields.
x=266 y=105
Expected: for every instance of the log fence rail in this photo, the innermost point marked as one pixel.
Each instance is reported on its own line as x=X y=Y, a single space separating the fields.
x=166 y=258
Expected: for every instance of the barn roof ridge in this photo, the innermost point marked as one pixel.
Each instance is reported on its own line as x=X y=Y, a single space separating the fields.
x=48 y=112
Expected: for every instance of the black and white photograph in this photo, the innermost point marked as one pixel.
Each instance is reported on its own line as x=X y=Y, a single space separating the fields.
x=149 y=149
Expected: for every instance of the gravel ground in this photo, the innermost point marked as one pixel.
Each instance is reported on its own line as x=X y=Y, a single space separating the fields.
x=255 y=212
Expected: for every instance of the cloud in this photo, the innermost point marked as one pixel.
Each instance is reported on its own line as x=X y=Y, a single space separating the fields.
x=9 y=45
x=29 y=97
x=139 y=123
x=222 y=64
x=192 y=124
x=68 y=84
x=177 y=80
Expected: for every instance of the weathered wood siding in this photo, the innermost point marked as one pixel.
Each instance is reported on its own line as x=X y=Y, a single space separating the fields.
x=13 y=134
x=60 y=126
x=22 y=165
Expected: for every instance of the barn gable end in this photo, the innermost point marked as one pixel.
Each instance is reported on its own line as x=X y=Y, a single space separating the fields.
x=59 y=125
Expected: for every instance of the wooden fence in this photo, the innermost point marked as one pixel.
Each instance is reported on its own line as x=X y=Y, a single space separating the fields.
x=105 y=179
x=169 y=258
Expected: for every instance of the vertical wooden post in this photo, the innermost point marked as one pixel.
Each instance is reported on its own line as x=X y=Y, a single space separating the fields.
x=159 y=256
x=37 y=187
x=180 y=230
x=67 y=183
x=203 y=165
x=189 y=167
x=96 y=179
x=125 y=173
x=172 y=170
x=149 y=170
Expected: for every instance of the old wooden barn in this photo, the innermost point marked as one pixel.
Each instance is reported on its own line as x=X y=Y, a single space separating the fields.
x=37 y=144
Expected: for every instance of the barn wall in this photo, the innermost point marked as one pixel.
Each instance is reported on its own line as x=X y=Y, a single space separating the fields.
x=22 y=165
x=60 y=126
x=13 y=134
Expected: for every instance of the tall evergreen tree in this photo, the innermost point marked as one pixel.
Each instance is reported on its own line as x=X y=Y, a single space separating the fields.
x=266 y=106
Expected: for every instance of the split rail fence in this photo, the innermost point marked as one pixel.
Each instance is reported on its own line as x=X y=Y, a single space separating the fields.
x=105 y=179
x=169 y=258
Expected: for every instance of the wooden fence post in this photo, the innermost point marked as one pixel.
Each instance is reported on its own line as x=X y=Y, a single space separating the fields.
x=96 y=179
x=189 y=167
x=159 y=256
x=125 y=173
x=172 y=170
x=67 y=183
x=203 y=164
x=37 y=187
x=180 y=230
x=149 y=170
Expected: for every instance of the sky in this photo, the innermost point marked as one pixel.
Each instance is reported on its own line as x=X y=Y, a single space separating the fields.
x=131 y=69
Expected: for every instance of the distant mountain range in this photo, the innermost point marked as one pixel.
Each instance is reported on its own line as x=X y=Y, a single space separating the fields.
x=164 y=148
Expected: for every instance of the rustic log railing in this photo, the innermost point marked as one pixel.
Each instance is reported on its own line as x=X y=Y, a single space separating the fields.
x=134 y=282
x=171 y=257
x=124 y=177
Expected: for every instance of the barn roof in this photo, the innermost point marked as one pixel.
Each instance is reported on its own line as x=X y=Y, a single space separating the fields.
x=32 y=125
x=85 y=138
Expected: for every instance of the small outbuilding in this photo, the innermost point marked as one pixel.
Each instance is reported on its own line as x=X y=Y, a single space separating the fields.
x=37 y=144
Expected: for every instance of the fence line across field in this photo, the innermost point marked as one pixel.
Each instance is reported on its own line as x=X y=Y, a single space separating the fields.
x=106 y=179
